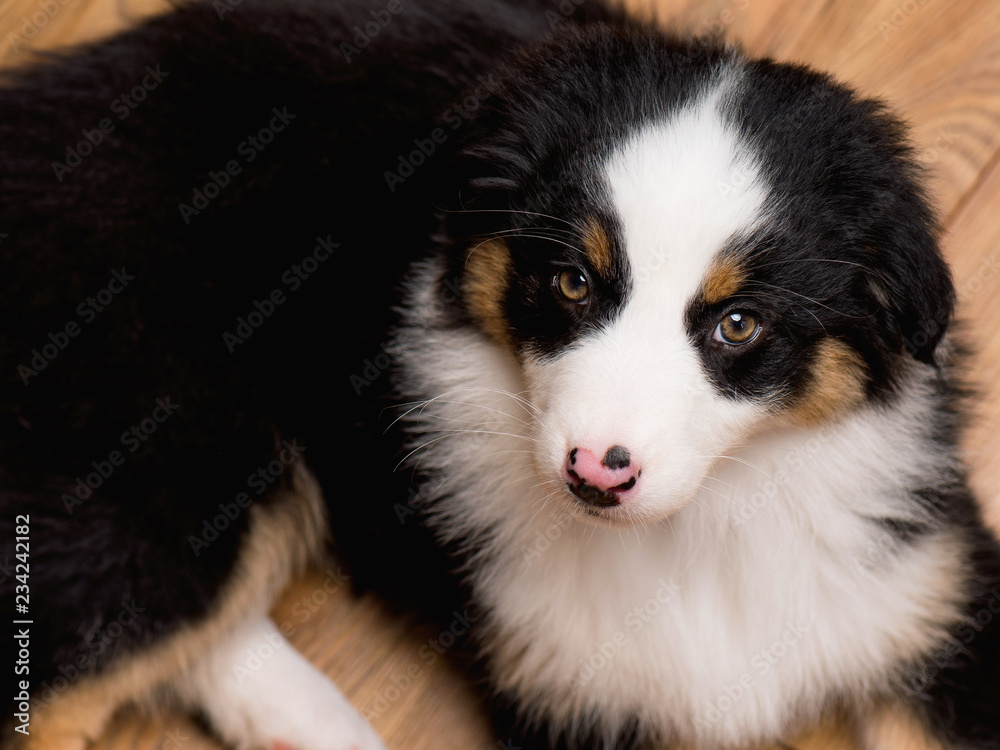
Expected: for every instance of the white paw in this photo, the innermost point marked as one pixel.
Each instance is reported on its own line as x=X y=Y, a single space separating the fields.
x=261 y=694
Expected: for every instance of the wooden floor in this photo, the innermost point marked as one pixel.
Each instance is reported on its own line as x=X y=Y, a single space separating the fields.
x=936 y=61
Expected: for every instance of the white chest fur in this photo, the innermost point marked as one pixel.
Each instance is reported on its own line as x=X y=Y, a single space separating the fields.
x=717 y=632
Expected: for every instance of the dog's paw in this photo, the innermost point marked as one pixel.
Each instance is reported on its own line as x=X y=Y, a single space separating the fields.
x=304 y=716
x=310 y=717
x=261 y=694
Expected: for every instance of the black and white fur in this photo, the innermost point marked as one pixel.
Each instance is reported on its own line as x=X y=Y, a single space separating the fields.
x=793 y=534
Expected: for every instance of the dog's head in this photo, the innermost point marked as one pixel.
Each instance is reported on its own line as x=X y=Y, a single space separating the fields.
x=682 y=247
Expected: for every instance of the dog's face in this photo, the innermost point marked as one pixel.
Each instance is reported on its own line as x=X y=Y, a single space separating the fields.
x=688 y=255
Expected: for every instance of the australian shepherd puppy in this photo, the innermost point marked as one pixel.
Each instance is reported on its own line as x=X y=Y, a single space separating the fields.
x=632 y=348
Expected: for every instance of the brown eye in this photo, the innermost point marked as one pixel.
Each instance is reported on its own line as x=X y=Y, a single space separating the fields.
x=572 y=285
x=737 y=328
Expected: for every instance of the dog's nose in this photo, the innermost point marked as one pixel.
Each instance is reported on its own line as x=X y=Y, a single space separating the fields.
x=601 y=481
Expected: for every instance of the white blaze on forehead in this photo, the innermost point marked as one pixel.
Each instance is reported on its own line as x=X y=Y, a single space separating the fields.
x=682 y=187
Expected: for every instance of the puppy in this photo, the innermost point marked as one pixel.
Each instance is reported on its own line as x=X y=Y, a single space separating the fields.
x=632 y=347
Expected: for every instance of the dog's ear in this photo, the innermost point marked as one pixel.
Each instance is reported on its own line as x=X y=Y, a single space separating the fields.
x=912 y=286
x=911 y=281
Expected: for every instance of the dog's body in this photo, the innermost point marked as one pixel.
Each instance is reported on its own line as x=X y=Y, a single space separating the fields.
x=642 y=362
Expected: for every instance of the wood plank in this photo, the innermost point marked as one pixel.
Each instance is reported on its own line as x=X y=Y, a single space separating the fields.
x=936 y=63
x=27 y=26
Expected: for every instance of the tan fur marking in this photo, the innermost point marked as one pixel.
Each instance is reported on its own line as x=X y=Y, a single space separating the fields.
x=833 y=732
x=284 y=537
x=598 y=247
x=486 y=277
x=725 y=277
x=895 y=728
x=837 y=384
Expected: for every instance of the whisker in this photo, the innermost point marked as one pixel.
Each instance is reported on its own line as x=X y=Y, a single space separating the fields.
x=501 y=412
x=453 y=433
x=785 y=261
x=744 y=462
x=516 y=397
x=506 y=211
x=518 y=231
x=518 y=451
x=544 y=501
x=499 y=433
x=708 y=507
x=422 y=405
x=809 y=299
x=420 y=447
x=716 y=479
x=512 y=482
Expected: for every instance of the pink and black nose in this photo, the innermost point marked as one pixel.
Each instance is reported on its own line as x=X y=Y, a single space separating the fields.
x=601 y=481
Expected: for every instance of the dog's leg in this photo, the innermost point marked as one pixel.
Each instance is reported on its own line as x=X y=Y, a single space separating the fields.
x=72 y=721
x=261 y=694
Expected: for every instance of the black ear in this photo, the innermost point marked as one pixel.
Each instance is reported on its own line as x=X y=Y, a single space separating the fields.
x=913 y=287
x=913 y=283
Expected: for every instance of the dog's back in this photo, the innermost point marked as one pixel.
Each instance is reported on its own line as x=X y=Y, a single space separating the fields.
x=206 y=221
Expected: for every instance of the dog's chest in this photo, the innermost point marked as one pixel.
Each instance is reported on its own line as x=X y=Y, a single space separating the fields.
x=717 y=647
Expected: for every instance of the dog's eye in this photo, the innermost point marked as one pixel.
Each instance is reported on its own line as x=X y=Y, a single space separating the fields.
x=737 y=328
x=572 y=285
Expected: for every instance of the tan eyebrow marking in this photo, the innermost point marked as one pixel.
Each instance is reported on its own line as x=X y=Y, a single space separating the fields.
x=725 y=277
x=597 y=245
